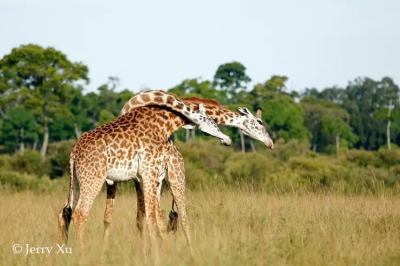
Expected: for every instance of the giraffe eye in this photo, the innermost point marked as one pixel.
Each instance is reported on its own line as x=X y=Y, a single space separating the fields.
x=259 y=122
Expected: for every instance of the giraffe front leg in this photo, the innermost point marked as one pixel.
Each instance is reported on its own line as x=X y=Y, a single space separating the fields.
x=109 y=212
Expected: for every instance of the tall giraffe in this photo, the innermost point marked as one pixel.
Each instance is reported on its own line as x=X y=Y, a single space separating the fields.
x=244 y=120
x=130 y=147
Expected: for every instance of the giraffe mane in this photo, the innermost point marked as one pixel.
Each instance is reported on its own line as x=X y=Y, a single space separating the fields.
x=205 y=101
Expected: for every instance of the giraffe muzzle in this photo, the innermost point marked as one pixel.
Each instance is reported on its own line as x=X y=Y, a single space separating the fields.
x=226 y=141
x=270 y=144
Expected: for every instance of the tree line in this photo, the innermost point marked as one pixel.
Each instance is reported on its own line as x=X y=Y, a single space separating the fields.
x=43 y=100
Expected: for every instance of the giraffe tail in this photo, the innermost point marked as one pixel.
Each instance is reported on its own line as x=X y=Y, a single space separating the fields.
x=72 y=176
x=65 y=215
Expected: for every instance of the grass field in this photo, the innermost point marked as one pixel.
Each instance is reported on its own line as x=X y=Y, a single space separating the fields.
x=228 y=228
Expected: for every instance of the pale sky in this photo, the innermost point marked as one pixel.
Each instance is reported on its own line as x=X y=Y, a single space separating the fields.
x=157 y=44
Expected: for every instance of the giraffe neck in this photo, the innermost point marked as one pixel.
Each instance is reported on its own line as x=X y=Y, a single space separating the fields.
x=160 y=99
x=155 y=123
x=221 y=114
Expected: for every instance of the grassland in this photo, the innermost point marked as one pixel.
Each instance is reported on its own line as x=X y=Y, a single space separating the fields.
x=228 y=227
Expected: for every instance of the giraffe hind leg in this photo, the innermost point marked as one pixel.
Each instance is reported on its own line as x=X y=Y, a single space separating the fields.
x=64 y=220
x=88 y=192
x=109 y=212
x=141 y=212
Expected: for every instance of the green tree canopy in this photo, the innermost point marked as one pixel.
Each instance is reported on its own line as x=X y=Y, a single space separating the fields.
x=42 y=77
x=231 y=77
x=285 y=118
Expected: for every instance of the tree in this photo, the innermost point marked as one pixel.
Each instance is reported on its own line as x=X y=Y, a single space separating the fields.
x=106 y=117
x=231 y=77
x=42 y=78
x=20 y=128
x=285 y=118
x=391 y=97
x=197 y=88
x=335 y=126
x=315 y=109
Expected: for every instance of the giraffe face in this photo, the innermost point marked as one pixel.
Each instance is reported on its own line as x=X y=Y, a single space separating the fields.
x=253 y=127
x=209 y=127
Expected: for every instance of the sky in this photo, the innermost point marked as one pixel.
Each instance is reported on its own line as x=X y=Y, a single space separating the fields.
x=157 y=44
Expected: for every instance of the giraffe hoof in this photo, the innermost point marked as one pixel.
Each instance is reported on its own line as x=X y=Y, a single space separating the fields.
x=173 y=221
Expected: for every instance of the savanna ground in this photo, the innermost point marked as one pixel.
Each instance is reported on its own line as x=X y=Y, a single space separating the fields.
x=228 y=227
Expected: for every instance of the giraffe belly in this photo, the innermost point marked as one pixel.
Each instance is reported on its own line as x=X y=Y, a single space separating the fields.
x=123 y=172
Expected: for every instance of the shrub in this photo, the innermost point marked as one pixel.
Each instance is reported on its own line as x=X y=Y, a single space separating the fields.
x=292 y=148
x=5 y=161
x=29 y=162
x=16 y=181
x=253 y=167
x=389 y=158
x=58 y=158
x=362 y=158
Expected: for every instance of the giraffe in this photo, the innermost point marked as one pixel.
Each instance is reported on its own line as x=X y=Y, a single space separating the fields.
x=130 y=147
x=250 y=125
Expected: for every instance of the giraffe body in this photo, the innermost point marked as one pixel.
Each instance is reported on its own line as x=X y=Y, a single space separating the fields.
x=249 y=124
x=130 y=147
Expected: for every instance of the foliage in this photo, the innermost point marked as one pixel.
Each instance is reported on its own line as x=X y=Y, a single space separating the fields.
x=285 y=118
x=21 y=127
x=231 y=77
x=43 y=101
x=58 y=158
x=29 y=162
x=41 y=79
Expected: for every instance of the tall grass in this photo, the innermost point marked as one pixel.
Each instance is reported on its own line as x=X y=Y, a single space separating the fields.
x=228 y=226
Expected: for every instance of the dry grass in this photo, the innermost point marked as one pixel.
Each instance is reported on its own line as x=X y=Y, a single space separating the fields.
x=228 y=228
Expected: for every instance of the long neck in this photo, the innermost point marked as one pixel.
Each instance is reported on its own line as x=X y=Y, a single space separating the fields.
x=160 y=99
x=220 y=114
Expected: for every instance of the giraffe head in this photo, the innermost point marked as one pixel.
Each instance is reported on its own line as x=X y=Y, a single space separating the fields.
x=253 y=126
x=209 y=127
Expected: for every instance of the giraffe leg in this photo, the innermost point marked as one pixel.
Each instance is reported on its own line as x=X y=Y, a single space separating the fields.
x=80 y=215
x=176 y=179
x=141 y=211
x=109 y=212
x=179 y=198
x=159 y=215
x=64 y=220
x=150 y=198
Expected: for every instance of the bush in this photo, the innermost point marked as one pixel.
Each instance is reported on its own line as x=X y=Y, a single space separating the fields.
x=292 y=148
x=5 y=162
x=251 y=167
x=29 y=162
x=362 y=158
x=16 y=181
x=389 y=158
x=58 y=158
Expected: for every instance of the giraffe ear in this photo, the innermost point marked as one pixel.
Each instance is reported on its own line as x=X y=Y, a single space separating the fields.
x=259 y=113
x=202 y=110
x=244 y=111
